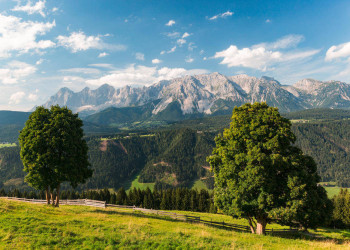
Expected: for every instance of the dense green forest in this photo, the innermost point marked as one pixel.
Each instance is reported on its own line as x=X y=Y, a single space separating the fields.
x=175 y=155
x=175 y=158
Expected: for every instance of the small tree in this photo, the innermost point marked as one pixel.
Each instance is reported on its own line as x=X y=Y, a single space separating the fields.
x=261 y=176
x=53 y=150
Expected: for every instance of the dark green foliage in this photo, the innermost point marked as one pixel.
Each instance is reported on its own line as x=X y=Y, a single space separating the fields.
x=169 y=158
x=341 y=212
x=261 y=176
x=328 y=143
x=53 y=150
x=184 y=199
x=11 y=166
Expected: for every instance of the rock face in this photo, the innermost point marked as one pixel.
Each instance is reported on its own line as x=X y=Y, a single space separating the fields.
x=209 y=94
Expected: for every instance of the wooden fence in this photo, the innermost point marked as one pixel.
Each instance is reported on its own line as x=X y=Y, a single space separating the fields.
x=172 y=215
x=78 y=202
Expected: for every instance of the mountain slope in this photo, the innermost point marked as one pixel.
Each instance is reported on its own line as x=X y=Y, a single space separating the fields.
x=209 y=94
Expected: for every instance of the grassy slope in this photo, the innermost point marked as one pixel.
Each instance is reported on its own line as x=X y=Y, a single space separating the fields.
x=143 y=186
x=332 y=191
x=25 y=225
x=199 y=184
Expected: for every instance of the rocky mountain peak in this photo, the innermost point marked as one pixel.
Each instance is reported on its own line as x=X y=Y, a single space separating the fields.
x=209 y=93
x=308 y=85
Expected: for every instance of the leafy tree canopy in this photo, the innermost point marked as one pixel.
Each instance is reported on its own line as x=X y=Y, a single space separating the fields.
x=53 y=149
x=260 y=175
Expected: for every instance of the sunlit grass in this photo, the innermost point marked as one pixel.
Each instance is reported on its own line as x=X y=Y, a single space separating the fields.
x=24 y=225
x=7 y=145
x=143 y=186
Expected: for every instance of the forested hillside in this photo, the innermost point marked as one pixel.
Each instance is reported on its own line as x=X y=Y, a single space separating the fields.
x=167 y=158
x=175 y=155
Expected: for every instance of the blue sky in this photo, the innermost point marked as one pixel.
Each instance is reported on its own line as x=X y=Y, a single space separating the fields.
x=46 y=45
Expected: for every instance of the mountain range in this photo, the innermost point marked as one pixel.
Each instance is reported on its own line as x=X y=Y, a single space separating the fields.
x=206 y=94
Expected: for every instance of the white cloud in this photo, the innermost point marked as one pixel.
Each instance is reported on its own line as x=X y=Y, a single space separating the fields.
x=81 y=70
x=102 y=65
x=30 y=8
x=54 y=9
x=222 y=15
x=189 y=59
x=16 y=71
x=40 y=61
x=33 y=97
x=78 y=41
x=103 y=54
x=21 y=36
x=141 y=75
x=156 y=61
x=172 y=50
x=283 y=43
x=140 y=56
x=191 y=46
x=267 y=21
x=185 y=35
x=263 y=56
x=338 y=51
x=17 y=97
x=181 y=41
x=170 y=23
x=173 y=34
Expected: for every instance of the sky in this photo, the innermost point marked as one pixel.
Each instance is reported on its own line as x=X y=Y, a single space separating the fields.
x=46 y=45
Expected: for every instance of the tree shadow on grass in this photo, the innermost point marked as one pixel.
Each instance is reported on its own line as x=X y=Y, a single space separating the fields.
x=159 y=217
x=307 y=236
x=286 y=235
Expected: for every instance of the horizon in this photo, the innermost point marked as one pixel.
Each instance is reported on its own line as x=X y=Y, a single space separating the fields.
x=46 y=45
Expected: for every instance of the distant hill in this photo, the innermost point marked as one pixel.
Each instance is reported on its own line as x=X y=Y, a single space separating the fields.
x=319 y=114
x=174 y=153
x=13 y=117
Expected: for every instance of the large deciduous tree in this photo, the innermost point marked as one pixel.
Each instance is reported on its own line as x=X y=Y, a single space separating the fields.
x=261 y=176
x=53 y=150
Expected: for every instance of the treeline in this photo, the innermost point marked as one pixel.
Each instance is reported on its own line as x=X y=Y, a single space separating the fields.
x=319 y=114
x=170 y=199
x=341 y=212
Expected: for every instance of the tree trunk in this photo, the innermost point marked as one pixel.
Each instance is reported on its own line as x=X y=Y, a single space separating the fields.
x=251 y=225
x=47 y=196
x=260 y=226
x=58 y=196
x=52 y=198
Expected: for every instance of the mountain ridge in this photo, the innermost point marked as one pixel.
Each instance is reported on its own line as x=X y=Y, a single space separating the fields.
x=209 y=94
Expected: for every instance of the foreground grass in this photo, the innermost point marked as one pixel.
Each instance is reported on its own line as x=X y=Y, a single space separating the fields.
x=24 y=225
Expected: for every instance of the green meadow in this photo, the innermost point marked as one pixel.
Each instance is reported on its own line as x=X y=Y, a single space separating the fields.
x=24 y=226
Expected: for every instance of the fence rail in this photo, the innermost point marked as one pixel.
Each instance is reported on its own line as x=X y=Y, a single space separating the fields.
x=172 y=215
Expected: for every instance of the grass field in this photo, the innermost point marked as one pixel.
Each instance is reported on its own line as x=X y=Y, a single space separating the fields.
x=6 y=145
x=198 y=184
x=135 y=183
x=24 y=225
